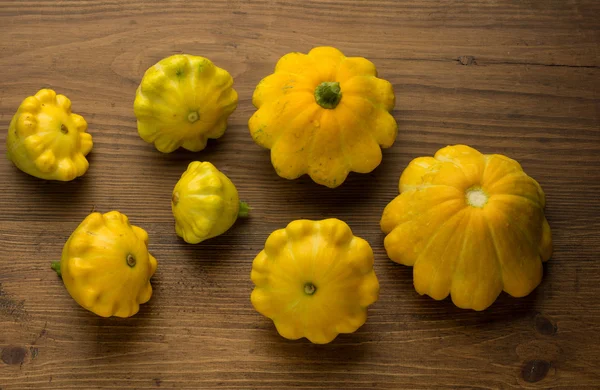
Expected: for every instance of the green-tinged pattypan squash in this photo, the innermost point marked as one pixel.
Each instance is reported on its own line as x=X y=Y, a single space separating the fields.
x=205 y=203
x=48 y=141
x=106 y=266
x=182 y=101
x=323 y=114
x=470 y=224
x=314 y=279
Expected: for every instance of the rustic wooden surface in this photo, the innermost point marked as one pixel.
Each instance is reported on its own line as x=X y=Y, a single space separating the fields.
x=515 y=77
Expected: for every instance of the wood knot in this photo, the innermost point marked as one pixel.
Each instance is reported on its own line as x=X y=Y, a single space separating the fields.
x=544 y=325
x=13 y=355
x=535 y=370
x=466 y=60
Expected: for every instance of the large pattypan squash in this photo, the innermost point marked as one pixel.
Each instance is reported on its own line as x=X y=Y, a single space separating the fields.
x=182 y=101
x=46 y=140
x=470 y=224
x=323 y=114
x=314 y=279
x=205 y=203
x=106 y=266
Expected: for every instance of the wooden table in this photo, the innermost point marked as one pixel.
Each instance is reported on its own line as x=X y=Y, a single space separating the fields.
x=520 y=78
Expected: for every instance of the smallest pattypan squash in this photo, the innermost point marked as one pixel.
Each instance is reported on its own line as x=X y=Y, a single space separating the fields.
x=46 y=140
x=182 y=101
x=314 y=279
x=205 y=203
x=106 y=266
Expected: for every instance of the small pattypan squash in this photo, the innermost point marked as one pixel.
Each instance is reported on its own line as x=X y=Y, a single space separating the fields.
x=470 y=224
x=46 y=140
x=205 y=203
x=323 y=114
x=182 y=101
x=106 y=266
x=314 y=279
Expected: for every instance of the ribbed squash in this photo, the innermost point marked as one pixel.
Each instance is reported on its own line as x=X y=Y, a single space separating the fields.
x=323 y=114
x=47 y=140
x=182 y=101
x=470 y=224
x=314 y=279
x=106 y=266
x=205 y=203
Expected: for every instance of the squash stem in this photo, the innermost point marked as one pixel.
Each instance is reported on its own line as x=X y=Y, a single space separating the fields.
x=328 y=94
x=310 y=289
x=244 y=210
x=56 y=267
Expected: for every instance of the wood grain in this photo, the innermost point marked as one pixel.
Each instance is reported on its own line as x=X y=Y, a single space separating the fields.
x=515 y=77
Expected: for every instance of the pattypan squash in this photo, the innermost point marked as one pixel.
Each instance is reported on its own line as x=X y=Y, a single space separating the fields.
x=106 y=267
x=205 y=203
x=48 y=141
x=182 y=101
x=314 y=279
x=470 y=224
x=323 y=114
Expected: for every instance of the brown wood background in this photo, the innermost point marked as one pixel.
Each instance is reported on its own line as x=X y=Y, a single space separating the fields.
x=515 y=77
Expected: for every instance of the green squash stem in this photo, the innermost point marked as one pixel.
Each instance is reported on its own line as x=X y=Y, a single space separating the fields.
x=56 y=267
x=244 y=210
x=328 y=94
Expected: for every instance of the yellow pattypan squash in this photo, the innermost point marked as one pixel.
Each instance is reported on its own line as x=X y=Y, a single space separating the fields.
x=205 y=203
x=46 y=140
x=323 y=114
x=470 y=224
x=314 y=279
x=106 y=266
x=182 y=101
